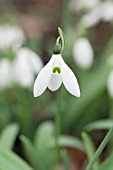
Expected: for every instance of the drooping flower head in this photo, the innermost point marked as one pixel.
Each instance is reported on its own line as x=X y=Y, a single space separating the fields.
x=85 y=58
x=11 y=36
x=56 y=72
x=26 y=64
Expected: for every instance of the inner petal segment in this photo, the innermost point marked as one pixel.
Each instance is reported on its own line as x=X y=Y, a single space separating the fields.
x=55 y=82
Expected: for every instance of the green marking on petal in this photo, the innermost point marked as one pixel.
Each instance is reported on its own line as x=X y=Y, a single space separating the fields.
x=56 y=69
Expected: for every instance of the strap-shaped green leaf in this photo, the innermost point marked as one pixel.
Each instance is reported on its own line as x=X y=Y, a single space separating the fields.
x=90 y=148
x=71 y=142
x=43 y=136
x=100 y=125
x=8 y=135
x=10 y=161
x=30 y=152
x=107 y=164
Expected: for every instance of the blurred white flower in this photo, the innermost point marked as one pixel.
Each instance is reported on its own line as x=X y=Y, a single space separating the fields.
x=94 y=16
x=26 y=65
x=83 y=53
x=108 y=11
x=5 y=73
x=103 y=11
x=81 y=4
x=11 y=36
x=53 y=74
x=110 y=84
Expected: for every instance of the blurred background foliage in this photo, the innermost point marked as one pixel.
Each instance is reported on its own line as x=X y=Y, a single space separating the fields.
x=28 y=31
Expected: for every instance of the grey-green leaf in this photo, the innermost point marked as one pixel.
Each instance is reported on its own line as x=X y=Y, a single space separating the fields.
x=107 y=164
x=30 y=152
x=10 y=161
x=100 y=125
x=71 y=142
x=43 y=136
x=90 y=149
x=8 y=135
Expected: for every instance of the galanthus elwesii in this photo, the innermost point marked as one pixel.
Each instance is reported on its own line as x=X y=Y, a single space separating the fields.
x=53 y=74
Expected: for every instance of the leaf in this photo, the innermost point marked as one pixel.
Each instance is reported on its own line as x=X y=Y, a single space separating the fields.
x=90 y=148
x=107 y=164
x=10 y=161
x=43 y=136
x=30 y=152
x=65 y=159
x=8 y=135
x=100 y=149
x=100 y=125
x=68 y=141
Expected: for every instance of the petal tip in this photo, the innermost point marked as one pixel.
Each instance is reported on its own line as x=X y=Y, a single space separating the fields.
x=77 y=94
x=34 y=94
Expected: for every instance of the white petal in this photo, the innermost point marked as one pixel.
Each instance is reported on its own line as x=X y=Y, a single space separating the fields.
x=69 y=79
x=94 y=16
x=108 y=11
x=55 y=82
x=5 y=73
x=32 y=59
x=43 y=78
x=36 y=62
x=110 y=84
x=23 y=73
x=81 y=4
x=83 y=53
x=11 y=36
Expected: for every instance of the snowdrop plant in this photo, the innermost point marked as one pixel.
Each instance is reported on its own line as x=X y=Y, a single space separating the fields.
x=52 y=75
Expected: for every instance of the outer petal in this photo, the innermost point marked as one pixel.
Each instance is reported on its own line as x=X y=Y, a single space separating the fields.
x=5 y=73
x=110 y=84
x=33 y=59
x=43 y=78
x=69 y=79
x=55 y=82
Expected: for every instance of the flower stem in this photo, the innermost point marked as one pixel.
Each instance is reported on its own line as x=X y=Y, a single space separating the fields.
x=58 y=125
x=100 y=149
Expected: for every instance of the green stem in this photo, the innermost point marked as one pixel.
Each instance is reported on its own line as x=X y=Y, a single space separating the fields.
x=58 y=125
x=100 y=149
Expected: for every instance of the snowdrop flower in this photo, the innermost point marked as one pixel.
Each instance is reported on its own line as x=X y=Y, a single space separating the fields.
x=53 y=74
x=81 y=4
x=5 y=73
x=26 y=65
x=108 y=11
x=83 y=53
x=94 y=16
x=110 y=84
x=11 y=36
